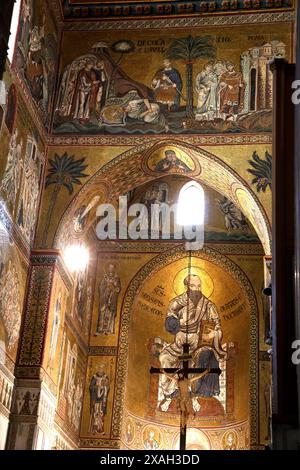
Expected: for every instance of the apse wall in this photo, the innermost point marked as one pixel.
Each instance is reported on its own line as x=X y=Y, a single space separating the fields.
x=227 y=412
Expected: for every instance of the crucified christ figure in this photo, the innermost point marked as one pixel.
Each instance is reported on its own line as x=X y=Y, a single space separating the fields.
x=184 y=389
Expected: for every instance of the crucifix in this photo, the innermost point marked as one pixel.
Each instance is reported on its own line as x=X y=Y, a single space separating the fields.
x=183 y=373
x=184 y=383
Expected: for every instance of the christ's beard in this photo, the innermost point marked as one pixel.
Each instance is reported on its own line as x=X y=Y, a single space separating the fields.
x=194 y=296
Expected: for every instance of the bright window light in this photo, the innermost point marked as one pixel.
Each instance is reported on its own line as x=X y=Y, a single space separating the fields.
x=13 y=30
x=76 y=257
x=191 y=205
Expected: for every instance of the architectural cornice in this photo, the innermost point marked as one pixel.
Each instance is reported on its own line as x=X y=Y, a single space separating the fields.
x=91 y=10
x=191 y=21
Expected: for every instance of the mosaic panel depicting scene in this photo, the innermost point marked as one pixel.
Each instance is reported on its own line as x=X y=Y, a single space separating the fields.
x=212 y=80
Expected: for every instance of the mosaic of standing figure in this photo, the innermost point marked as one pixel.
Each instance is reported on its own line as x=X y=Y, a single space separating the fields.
x=109 y=289
x=99 y=389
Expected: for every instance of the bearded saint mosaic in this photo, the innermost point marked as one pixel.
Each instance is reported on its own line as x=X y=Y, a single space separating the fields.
x=109 y=289
x=193 y=319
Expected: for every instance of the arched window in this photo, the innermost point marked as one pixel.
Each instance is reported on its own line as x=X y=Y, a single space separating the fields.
x=191 y=205
x=190 y=214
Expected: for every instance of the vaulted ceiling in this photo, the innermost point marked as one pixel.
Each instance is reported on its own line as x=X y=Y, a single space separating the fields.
x=95 y=9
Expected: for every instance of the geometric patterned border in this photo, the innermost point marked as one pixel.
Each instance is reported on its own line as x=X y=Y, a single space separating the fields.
x=102 y=350
x=187 y=22
x=36 y=312
x=151 y=267
x=207 y=139
x=159 y=246
x=41 y=272
x=100 y=443
x=52 y=258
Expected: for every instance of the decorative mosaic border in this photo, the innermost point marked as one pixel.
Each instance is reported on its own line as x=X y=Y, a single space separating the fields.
x=123 y=140
x=151 y=267
x=181 y=22
x=52 y=258
x=156 y=247
x=170 y=433
x=35 y=318
x=102 y=350
x=100 y=443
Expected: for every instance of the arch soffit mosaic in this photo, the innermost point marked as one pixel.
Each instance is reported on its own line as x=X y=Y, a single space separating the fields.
x=136 y=167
